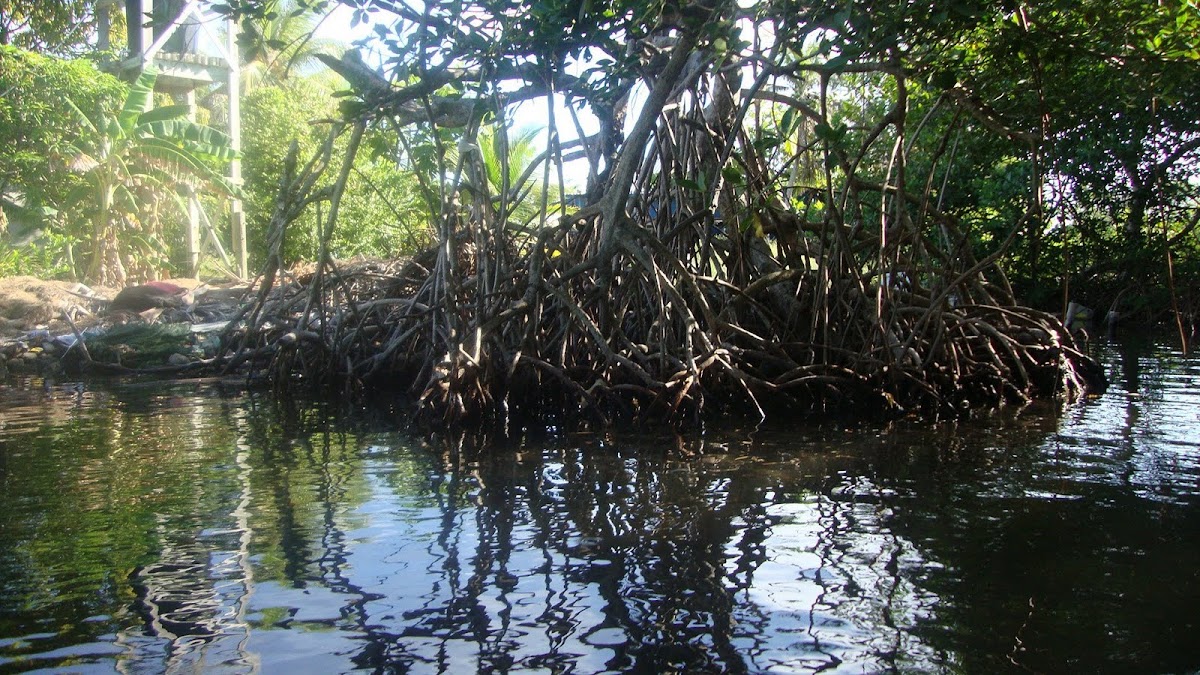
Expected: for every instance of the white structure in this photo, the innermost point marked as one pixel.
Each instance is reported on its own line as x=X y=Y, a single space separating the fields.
x=169 y=35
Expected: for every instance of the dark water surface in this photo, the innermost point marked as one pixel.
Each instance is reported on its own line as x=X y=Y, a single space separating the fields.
x=178 y=528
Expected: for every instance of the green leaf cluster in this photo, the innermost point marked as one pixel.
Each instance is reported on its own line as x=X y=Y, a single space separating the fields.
x=137 y=162
x=38 y=124
x=381 y=213
x=54 y=26
x=1056 y=129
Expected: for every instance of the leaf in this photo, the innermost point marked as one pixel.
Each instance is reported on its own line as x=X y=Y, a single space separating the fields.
x=837 y=62
x=351 y=109
x=767 y=141
x=83 y=119
x=182 y=161
x=166 y=112
x=943 y=79
x=788 y=124
x=756 y=225
x=210 y=153
x=186 y=130
x=140 y=100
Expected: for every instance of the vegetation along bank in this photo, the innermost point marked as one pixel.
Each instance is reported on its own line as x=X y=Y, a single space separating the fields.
x=723 y=207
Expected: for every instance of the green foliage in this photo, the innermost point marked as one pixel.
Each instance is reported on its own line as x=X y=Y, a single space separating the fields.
x=58 y=26
x=42 y=259
x=381 y=212
x=280 y=42
x=136 y=163
x=1062 y=130
x=511 y=157
x=37 y=125
x=1170 y=30
x=1074 y=121
x=57 y=164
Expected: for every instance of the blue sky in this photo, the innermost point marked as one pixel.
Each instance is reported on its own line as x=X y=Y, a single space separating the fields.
x=526 y=114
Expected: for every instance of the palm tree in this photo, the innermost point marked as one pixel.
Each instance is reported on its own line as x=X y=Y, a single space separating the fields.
x=281 y=40
x=518 y=153
x=134 y=163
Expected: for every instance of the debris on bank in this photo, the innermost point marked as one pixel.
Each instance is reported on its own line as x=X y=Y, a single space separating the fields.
x=27 y=303
x=160 y=326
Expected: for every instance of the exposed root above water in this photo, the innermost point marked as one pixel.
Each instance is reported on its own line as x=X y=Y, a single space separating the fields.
x=699 y=277
x=486 y=326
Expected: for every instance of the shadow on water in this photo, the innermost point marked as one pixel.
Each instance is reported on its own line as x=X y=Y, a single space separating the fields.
x=154 y=528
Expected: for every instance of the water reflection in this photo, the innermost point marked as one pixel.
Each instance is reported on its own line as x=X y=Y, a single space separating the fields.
x=157 y=529
x=593 y=558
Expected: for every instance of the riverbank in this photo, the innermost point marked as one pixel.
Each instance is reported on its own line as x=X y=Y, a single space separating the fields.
x=52 y=327
x=370 y=326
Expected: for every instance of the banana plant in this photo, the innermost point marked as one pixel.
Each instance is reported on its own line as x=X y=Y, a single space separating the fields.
x=137 y=163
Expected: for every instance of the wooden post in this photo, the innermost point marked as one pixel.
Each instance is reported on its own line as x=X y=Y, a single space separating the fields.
x=172 y=47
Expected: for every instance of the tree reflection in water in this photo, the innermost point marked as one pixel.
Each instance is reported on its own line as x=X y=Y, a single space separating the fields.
x=597 y=556
x=163 y=529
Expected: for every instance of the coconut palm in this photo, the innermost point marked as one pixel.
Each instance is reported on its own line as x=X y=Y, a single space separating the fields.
x=135 y=164
x=280 y=41
x=519 y=154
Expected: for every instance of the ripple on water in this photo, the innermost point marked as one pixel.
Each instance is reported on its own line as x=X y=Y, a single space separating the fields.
x=1147 y=439
x=201 y=533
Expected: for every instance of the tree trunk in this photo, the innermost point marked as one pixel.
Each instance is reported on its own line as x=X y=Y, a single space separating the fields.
x=105 y=268
x=1135 y=222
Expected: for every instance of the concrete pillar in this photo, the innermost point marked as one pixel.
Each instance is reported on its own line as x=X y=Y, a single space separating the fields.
x=237 y=217
x=141 y=34
x=193 y=235
x=104 y=25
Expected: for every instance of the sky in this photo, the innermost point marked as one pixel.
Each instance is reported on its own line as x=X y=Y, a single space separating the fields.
x=526 y=114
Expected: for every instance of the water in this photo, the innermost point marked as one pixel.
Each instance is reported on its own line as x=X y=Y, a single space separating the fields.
x=177 y=528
